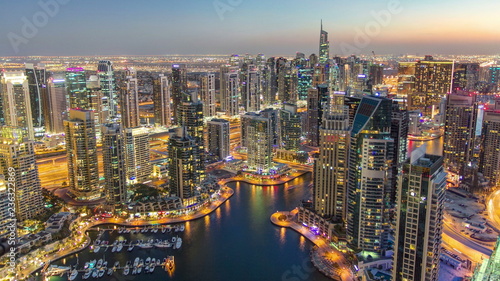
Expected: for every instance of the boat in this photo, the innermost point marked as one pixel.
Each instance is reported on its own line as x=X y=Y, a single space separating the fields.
x=141 y=263
x=174 y=239
x=86 y=265
x=136 y=262
x=99 y=263
x=131 y=247
x=152 y=268
x=73 y=275
x=139 y=270
x=95 y=273
x=170 y=262
x=158 y=262
x=153 y=261
x=145 y=246
x=126 y=270
x=164 y=244
x=146 y=269
x=105 y=264
x=110 y=271
x=134 y=271
x=96 y=249
x=97 y=242
x=148 y=260
x=119 y=247
x=182 y=228
x=101 y=272
x=92 y=263
x=114 y=249
x=163 y=229
x=120 y=230
x=178 y=244
x=86 y=275
x=117 y=264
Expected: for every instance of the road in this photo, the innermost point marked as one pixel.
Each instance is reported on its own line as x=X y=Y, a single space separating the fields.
x=473 y=250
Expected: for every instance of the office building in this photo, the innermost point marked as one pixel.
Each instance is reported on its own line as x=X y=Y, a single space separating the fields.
x=370 y=171
x=290 y=129
x=81 y=151
x=218 y=138
x=208 y=95
x=114 y=160
x=162 y=101
x=16 y=102
x=137 y=155
x=250 y=88
x=399 y=133
x=420 y=207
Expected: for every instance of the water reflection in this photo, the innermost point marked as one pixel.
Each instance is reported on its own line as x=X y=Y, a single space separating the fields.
x=434 y=147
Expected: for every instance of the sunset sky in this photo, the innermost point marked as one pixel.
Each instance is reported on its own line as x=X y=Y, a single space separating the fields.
x=161 y=27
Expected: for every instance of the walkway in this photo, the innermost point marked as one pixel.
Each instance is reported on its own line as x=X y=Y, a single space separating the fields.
x=29 y=269
x=326 y=258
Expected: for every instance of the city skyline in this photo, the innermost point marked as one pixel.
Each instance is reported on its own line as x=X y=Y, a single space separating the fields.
x=223 y=27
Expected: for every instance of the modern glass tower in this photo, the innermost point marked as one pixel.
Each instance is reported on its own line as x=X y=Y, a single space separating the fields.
x=37 y=83
x=250 y=88
x=260 y=149
x=137 y=155
x=108 y=87
x=179 y=87
x=489 y=163
x=370 y=170
x=81 y=150
x=290 y=129
x=16 y=102
x=229 y=90
x=76 y=85
x=324 y=46
x=420 y=204
x=58 y=106
x=115 y=173
x=129 y=102
x=162 y=101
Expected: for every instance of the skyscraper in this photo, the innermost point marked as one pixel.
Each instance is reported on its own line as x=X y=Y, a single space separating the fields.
x=490 y=268
x=108 y=87
x=81 y=150
x=115 y=173
x=259 y=143
x=218 y=138
x=324 y=46
x=290 y=129
x=17 y=155
x=229 y=90
x=208 y=95
x=162 y=101
x=489 y=162
x=137 y=155
x=184 y=178
x=16 y=103
x=190 y=116
x=420 y=206
x=370 y=168
x=37 y=83
x=250 y=88
x=129 y=102
x=332 y=164
x=399 y=133
x=460 y=126
x=312 y=128
x=76 y=85
x=179 y=87
x=58 y=106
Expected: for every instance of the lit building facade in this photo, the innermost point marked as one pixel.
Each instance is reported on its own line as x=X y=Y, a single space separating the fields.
x=218 y=138
x=37 y=84
x=229 y=90
x=489 y=163
x=208 y=95
x=129 y=102
x=114 y=160
x=108 y=88
x=162 y=101
x=137 y=155
x=58 y=106
x=260 y=150
x=76 y=85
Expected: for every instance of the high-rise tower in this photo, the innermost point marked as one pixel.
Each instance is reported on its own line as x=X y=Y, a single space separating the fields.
x=76 y=85
x=129 y=102
x=218 y=138
x=162 y=101
x=420 y=207
x=108 y=87
x=179 y=87
x=208 y=94
x=37 y=83
x=137 y=155
x=115 y=173
x=324 y=46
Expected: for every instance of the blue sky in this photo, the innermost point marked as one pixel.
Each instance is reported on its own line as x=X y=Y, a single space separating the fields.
x=280 y=27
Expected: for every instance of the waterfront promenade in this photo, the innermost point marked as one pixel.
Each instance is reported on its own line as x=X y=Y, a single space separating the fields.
x=81 y=240
x=330 y=261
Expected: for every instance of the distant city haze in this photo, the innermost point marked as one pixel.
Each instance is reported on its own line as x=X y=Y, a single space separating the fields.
x=160 y=27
